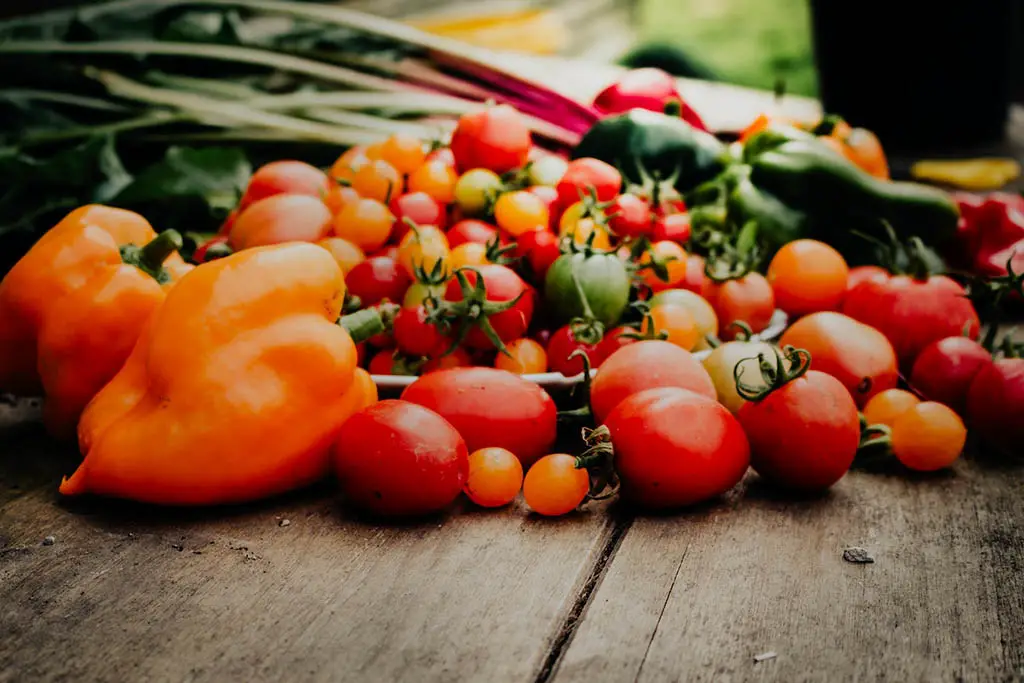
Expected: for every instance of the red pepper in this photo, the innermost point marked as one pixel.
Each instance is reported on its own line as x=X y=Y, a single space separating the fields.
x=646 y=88
x=991 y=232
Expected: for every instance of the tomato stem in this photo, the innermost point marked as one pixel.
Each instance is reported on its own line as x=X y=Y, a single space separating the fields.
x=474 y=310
x=587 y=329
x=599 y=461
x=362 y=325
x=790 y=364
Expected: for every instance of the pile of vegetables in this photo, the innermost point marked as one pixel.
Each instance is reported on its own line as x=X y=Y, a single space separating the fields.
x=642 y=262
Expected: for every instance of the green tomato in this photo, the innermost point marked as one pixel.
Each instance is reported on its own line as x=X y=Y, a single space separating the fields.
x=547 y=170
x=603 y=279
x=419 y=292
x=721 y=364
x=475 y=189
x=702 y=311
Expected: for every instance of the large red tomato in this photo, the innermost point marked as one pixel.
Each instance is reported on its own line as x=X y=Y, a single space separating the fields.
x=495 y=138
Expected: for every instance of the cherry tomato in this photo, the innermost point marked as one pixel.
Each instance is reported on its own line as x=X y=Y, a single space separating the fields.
x=585 y=176
x=424 y=248
x=490 y=407
x=347 y=255
x=541 y=249
x=548 y=195
x=928 y=436
x=884 y=407
x=748 y=299
x=405 y=153
x=476 y=189
x=554 y=486
x=546 y=170
x=674 y=227
x=442 y=154
x=859 y=274
x=808 y=276
x=581 y=231
x=468 y=254
x=373 y=152
x=695 y=277
x=677 y=321
x=562 y=345
x=376 y=278
x=520 y=212
x=435 y=178
x=345 y=167
x=396 y=458
x=856 y=354
x=286 y=177
x=995 y=404
x=613 y=340
x=672 y=258
x=527 y=358
x=663 y=461
x=471 y=230
x=630 y=216
x=646 y=364
x=417 y=337
x=377 y=180
x=703 y=313
x=418 y=207
x=338 y=197
x=384 y=339
x=945 y=368
x=280 y=218
x=458 y=358
x=495 y=138
x=502 y=284
x=495 y=477
x=366 y=223
x=721 y=364
x=382 y=363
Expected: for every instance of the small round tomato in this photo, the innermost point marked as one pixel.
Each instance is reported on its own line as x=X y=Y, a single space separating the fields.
x=884 y=407
x=424 y=248
x=549 y=196
x=695 y=277
x=583 y=285
x=748 y=299
x=663 y=459
x=501 y=284
x=377 y=180
x=348 y=163
x=495 y=477
x=703 y=313
x=338 y=197
x=808 y=276
x=554 y=486
x=669 y=269
x=418 y=207
x=588 y=176
x=347 y=254
x=442 y=154
x=563 y=344
x=280 y=218
x=540 y=248
x=581 y=232
x=520 y=212
x=495 y=138
x=415 y=336
x=377 y=278
x=458 y=358
x=382 y=362
x=468 y=254
x=476 y=189
x=928 y=436
x=995 y=404
x=435 y=178
x=676 y=321
x=945 y=368
x=525 y=357
x=471 y=230
x=629 y=216
x=373 y=152
x=646 y=364
x=547 y=171
x=397 y=458
x=721 y=365
x=613 y=340
x=367 y=223
x=673 y=227
x=405 y=153
x=286 y=177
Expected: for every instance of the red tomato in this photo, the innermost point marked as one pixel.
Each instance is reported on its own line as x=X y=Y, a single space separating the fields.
x=495 y=138
x=285 y=177
x=995 y=404
x=382 y=363
x=945 y=368
x=540 y=248
x=647 y=364
x=695 y=277
x=674 y=447
x=803 y=435
x=471 y=230
x=913 y=313
x=673 y=227
x=399 y=459
x=420 y=208
x=613 y=340
x=749 y=299
x=549 y=196
x=587 y=175
x=443 y=155
x=630 y=216
x=281 y=218
x=562 y=345
x=857 y=355
x=859 y=274
x=417 y=337
x=502 y=284
x=376 y=278
x=490 y=407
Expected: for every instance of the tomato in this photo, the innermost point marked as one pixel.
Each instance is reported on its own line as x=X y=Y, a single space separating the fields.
x=382 y=363
x=495 y=477
x=476 y=189
x=280 y=218
x=582 y=230
x=443 y=155
x=695 y=277
x=563 y=344
x=859 y=274
x=546 y=171
x=804 y=434
x=614 y=339
x=367 y=223
x=377 y=180
x=459 y=358
x=387 y=311
x=399 y=459
x=675 y=447
x=424 y=248
x=418 y=207
x=673 y=227
x=995 y=404
x=702 y=311
x=417 y=337
x=373 y=152
x=347 y=255
x=808 y=276
x=405 y=153
x=526 y=357
x=603 y=280
x=501 y=285
x=554 y=486
x=540 y=248
x=629 y=216
x=945 y=368
x=857 y=355
x=419 y=291
x=345 y=167
x=670 y=261
x=435 y=178
x=471 y=230
x=646 y=364
x=468 y=254
x=675 y=320
x=747 y=299
x=549 y=196
x=587 y=176
x=338 y=197
x=495 y=138
x=928 y=436
x=285 y=177
x=490 y=407
x=212 y=249
x=884 y=407
x=913 y=313
x=520 y=212
x=376 y=278
x=721 y=364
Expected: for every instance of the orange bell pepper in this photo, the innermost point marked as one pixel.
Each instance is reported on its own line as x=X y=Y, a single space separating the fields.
x=236 y=389
x=72 y=308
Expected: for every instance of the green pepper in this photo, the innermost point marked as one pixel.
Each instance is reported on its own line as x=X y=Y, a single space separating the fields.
x=645 y=144
x=778 y=223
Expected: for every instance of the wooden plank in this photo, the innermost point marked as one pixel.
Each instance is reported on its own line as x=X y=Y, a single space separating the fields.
x=133 y=593
x=698 y=597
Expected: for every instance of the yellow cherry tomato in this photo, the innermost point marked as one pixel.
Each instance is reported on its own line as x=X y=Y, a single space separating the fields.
x=525 y=357
x=436 y=179
x=404 y=152
x=468 y=254
x=475 y=189
x=520 y=212
x=423 y=247
x=676 y=321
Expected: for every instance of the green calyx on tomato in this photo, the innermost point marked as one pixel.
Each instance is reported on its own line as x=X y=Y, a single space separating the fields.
x=589 y=289
x=790 y=364
x=472 y=311
x=497 y=252
x=426 y=285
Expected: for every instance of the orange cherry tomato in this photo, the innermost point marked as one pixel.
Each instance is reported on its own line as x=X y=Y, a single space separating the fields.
x=366 y=223
x=865 y=149
x=520 y=212
x=495 y=477
x=554 y=486
x=347 y=254
x=377 y=180
x=677 y=321
x=582 y=230
x=927 y=437
x=374 y=152
x=404 y=152
x=672 y=257
x=527 y=357
x=339 y=196
x=748 y=299
x=468 y=254
x=885 y=407
x=808 y=276
x=459 y=358
x=280 y=218
x=423 y=248
x=435 y=178
x=344 y=169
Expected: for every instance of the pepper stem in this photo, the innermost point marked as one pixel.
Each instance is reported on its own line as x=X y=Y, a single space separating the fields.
x=150 y=257
x=790 y=363
x=362 y=325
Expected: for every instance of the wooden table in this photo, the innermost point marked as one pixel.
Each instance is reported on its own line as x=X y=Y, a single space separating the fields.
x=753 y=587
